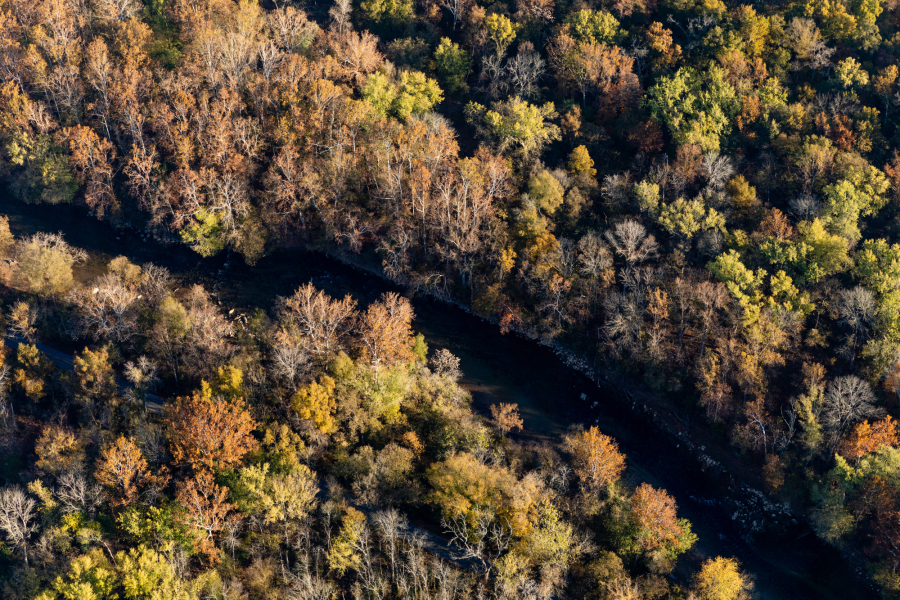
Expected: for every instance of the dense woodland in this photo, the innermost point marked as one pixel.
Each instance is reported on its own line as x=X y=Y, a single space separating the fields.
x=701 y=196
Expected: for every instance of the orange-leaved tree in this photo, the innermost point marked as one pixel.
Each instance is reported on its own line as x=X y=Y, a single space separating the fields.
x=867 y=438
x=654 y=513
x=123 y=468
x=209 y=433
x=597 y=459
x=205 y=511
x=384 y=330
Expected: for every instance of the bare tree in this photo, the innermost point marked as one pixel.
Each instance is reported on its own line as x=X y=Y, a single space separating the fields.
x=483 y=540
x=109 y=310
x=340 y=16
x=805 y=207
x=290 y=360
x=21 y=320
x=718 y=169
x=391 y=525
x=457 y=8
x=76 y=494
x=856 y=308
x=525 y=69
x=847 y=400
x=444 y=364
x=631 y=241
x=17 y=516
x=616 y=189
x=156 y=282
x=318 y=323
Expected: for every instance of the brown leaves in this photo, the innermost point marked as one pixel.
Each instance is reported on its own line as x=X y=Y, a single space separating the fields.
x=123 y=468
x=209 y=433
x=506 y=416
x=91 y=158
x=205 y=510
x=385 y=330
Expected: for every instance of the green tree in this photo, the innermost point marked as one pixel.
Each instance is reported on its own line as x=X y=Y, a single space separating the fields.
x=344 y=553
x=501 y=30
x=696 y=107
x=595 y=27
x=861 y=193
x=388 y=12
x=45 y=264
x=878 y=266
x=207 y=235
x=453 y=64
x=147 y=575
x=546 y=191
x=45 y=175
x=89 y=577
x=684 y=218
x=279 y=497
x=515 y=124
x=416 y=94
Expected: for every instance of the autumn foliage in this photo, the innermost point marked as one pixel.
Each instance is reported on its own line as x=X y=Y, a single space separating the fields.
x=123 y=469
x=866 y=438
x=654 y=514
x=209 y=432
x=597 y=459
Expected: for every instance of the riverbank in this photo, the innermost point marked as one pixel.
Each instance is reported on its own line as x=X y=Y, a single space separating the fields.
x=785 y=564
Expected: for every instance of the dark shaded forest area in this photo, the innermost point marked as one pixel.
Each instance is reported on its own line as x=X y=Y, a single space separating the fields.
x=699 y=196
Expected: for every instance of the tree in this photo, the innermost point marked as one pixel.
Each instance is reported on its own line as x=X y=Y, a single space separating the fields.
x=416 y=94
x=501 y=30
x=654 y=514
x=147 y=575
x=597 y=460
x=695 y=107
x=45 y=264
x=316 y=322
x=848 y=399
x=108 y=310
x=453 y=64
x=91 y=158
x=632 y=242
x=856 y=308
x=59 y=450
x=878 y=266
x=209 y=432
x=205 y=511
x=466 y=489
x=122 y=468
x=595 y=27
x=94 y=374
x=280 y=497
x=720 y=579
x=506 y=416
x=17 y=517
x=546 y=191
x=384 y=330
x=867 y=438
x=515 y=124
x=316 y=403
x=344 y=553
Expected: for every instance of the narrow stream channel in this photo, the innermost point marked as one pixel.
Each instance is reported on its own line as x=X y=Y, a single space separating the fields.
x=788 y=566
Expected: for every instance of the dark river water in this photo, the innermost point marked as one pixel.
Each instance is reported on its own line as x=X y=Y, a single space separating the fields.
x=790 y=565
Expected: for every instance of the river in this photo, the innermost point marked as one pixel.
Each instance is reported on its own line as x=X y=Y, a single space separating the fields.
x=792 y=565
